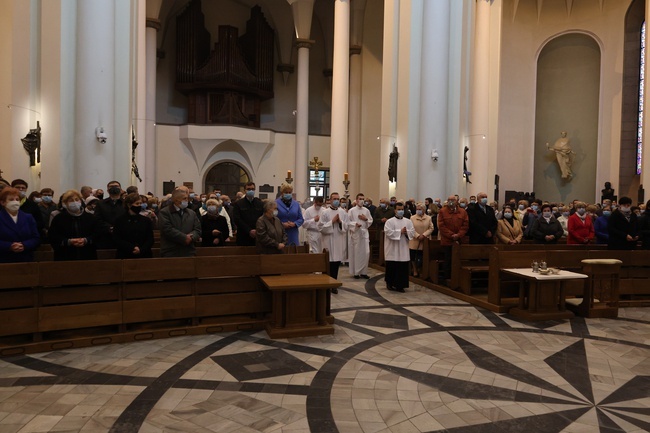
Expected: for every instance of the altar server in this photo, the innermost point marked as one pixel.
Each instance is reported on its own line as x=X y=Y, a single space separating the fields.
x=398 y=231
x=310 y=225
x=359 y=220
x=333 y=225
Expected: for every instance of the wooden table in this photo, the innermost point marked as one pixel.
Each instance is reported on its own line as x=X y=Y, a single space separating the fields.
x=299 y=304
x=542 y=297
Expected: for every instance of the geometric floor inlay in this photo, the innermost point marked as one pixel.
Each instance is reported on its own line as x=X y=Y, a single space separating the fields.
x=398 y=362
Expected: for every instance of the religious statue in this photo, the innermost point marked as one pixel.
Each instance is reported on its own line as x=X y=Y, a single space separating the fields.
x=32 y=144
x=564 y=155
x=392 y=164
x=466 y=172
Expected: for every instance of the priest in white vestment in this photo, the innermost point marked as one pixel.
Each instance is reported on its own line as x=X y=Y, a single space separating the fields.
x=333 y=226
x=359 y=221
x=398 y=231
x=311 y=218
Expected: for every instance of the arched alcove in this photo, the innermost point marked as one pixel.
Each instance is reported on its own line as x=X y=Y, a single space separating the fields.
x=229 y=177
x=567 y=99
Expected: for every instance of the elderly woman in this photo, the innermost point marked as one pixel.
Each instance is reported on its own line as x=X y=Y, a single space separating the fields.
x=289 y=213
x=601 y=226
x=546 y=229
x=509 y=228
x=214 y=227
x=580 y=226
x=73 y=232
x=269 y=231
x=423 y=228
x=19 y=235
x=133 y=232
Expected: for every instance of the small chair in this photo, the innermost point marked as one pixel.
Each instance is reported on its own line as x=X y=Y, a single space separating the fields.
x=600 y=293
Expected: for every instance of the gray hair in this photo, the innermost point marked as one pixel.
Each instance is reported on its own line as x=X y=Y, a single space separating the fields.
x=269 y=204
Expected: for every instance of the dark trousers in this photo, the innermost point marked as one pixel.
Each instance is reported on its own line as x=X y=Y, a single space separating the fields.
x=334 y=269
x=397 y=274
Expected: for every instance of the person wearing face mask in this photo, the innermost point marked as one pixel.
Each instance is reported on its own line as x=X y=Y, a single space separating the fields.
x=359 y=221
x=108 y=211
x=310 y=225
x=28 y=206
x=520 y=211
x=601 y=226
x=580 y=226
x=643 y=227
x=398 y=231
x=270 y=232
x=133 y=232
x=289 y=213
x=622 y=226
x=531 y=214
x=179 y=227
x=214 y=227
x=227 y=212
x=546 y=229
x=19 y=235
x=246 y=212
x=423 y=229
x=453 y=225
x=482 y=221
x=73 y=232
x=333 y=226
x=563 y=219
x=509 y=230
x=463 y=203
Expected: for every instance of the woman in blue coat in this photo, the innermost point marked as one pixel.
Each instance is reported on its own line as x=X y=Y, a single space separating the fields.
x=19 y=236
x=289 y=213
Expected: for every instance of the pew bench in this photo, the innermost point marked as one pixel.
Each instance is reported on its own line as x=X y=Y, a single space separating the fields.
x=56 y=305
x=469 y=265
x=433 y=256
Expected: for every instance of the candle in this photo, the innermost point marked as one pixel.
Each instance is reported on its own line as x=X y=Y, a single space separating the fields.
x=345 y=176
x=288 y=174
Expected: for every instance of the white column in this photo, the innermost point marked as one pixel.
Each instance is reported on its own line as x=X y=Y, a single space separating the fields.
x=388 y=134
x=476 y=136
x=354 y=134
x=301 y=176
x=150 y=179
x=340 y=93
x=94 y=93
x=434 y=85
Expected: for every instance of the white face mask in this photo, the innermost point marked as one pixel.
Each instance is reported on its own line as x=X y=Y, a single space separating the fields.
x=12 y=206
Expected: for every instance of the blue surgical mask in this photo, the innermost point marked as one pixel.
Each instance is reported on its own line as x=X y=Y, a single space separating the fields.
x=183 y=204
x=344 y=205
x=47 y=199
x=484 y=201
x=382 y=205
x=534 y=207
x=275 y=213
x=521 y=207
x=463 y=205
x=565 y=214
x=472 y=201
x=74 y=206
x=192 y=195
x=419 y=212
x=219 y=194
x=250 y=193
x=507 y=215
x=546 y=214
x=38 y=199
x=581 y=211
x=143 y=206
x=286 y=197
x=607 y=213
x=400 y=213
x=392 y=202
x=336 y=203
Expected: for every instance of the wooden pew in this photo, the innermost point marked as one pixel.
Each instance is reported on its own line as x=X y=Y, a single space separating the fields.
x=55 y=305
x=432 y=257
x=81 y=294
x=468 y=262
x=18 y=301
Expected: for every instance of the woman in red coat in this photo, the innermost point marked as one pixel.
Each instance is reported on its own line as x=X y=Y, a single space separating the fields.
x=580 y=226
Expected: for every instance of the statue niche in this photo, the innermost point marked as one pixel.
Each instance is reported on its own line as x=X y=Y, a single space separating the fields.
x=227 y=84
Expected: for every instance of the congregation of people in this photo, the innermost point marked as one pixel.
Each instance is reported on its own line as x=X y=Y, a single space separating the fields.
x=81 y=222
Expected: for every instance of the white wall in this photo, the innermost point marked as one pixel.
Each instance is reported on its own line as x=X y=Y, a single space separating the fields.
x=522 y=39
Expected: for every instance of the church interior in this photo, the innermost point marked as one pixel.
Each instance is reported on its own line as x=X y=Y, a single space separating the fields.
x=405 y=98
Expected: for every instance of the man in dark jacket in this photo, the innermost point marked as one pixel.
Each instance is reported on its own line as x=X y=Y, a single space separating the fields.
x=482 y=221
x=179 y=227
x=622 y=226
x=246 y=212
x=108 y=211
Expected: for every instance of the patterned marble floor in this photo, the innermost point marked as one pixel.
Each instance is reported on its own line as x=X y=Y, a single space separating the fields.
x=413 y=362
